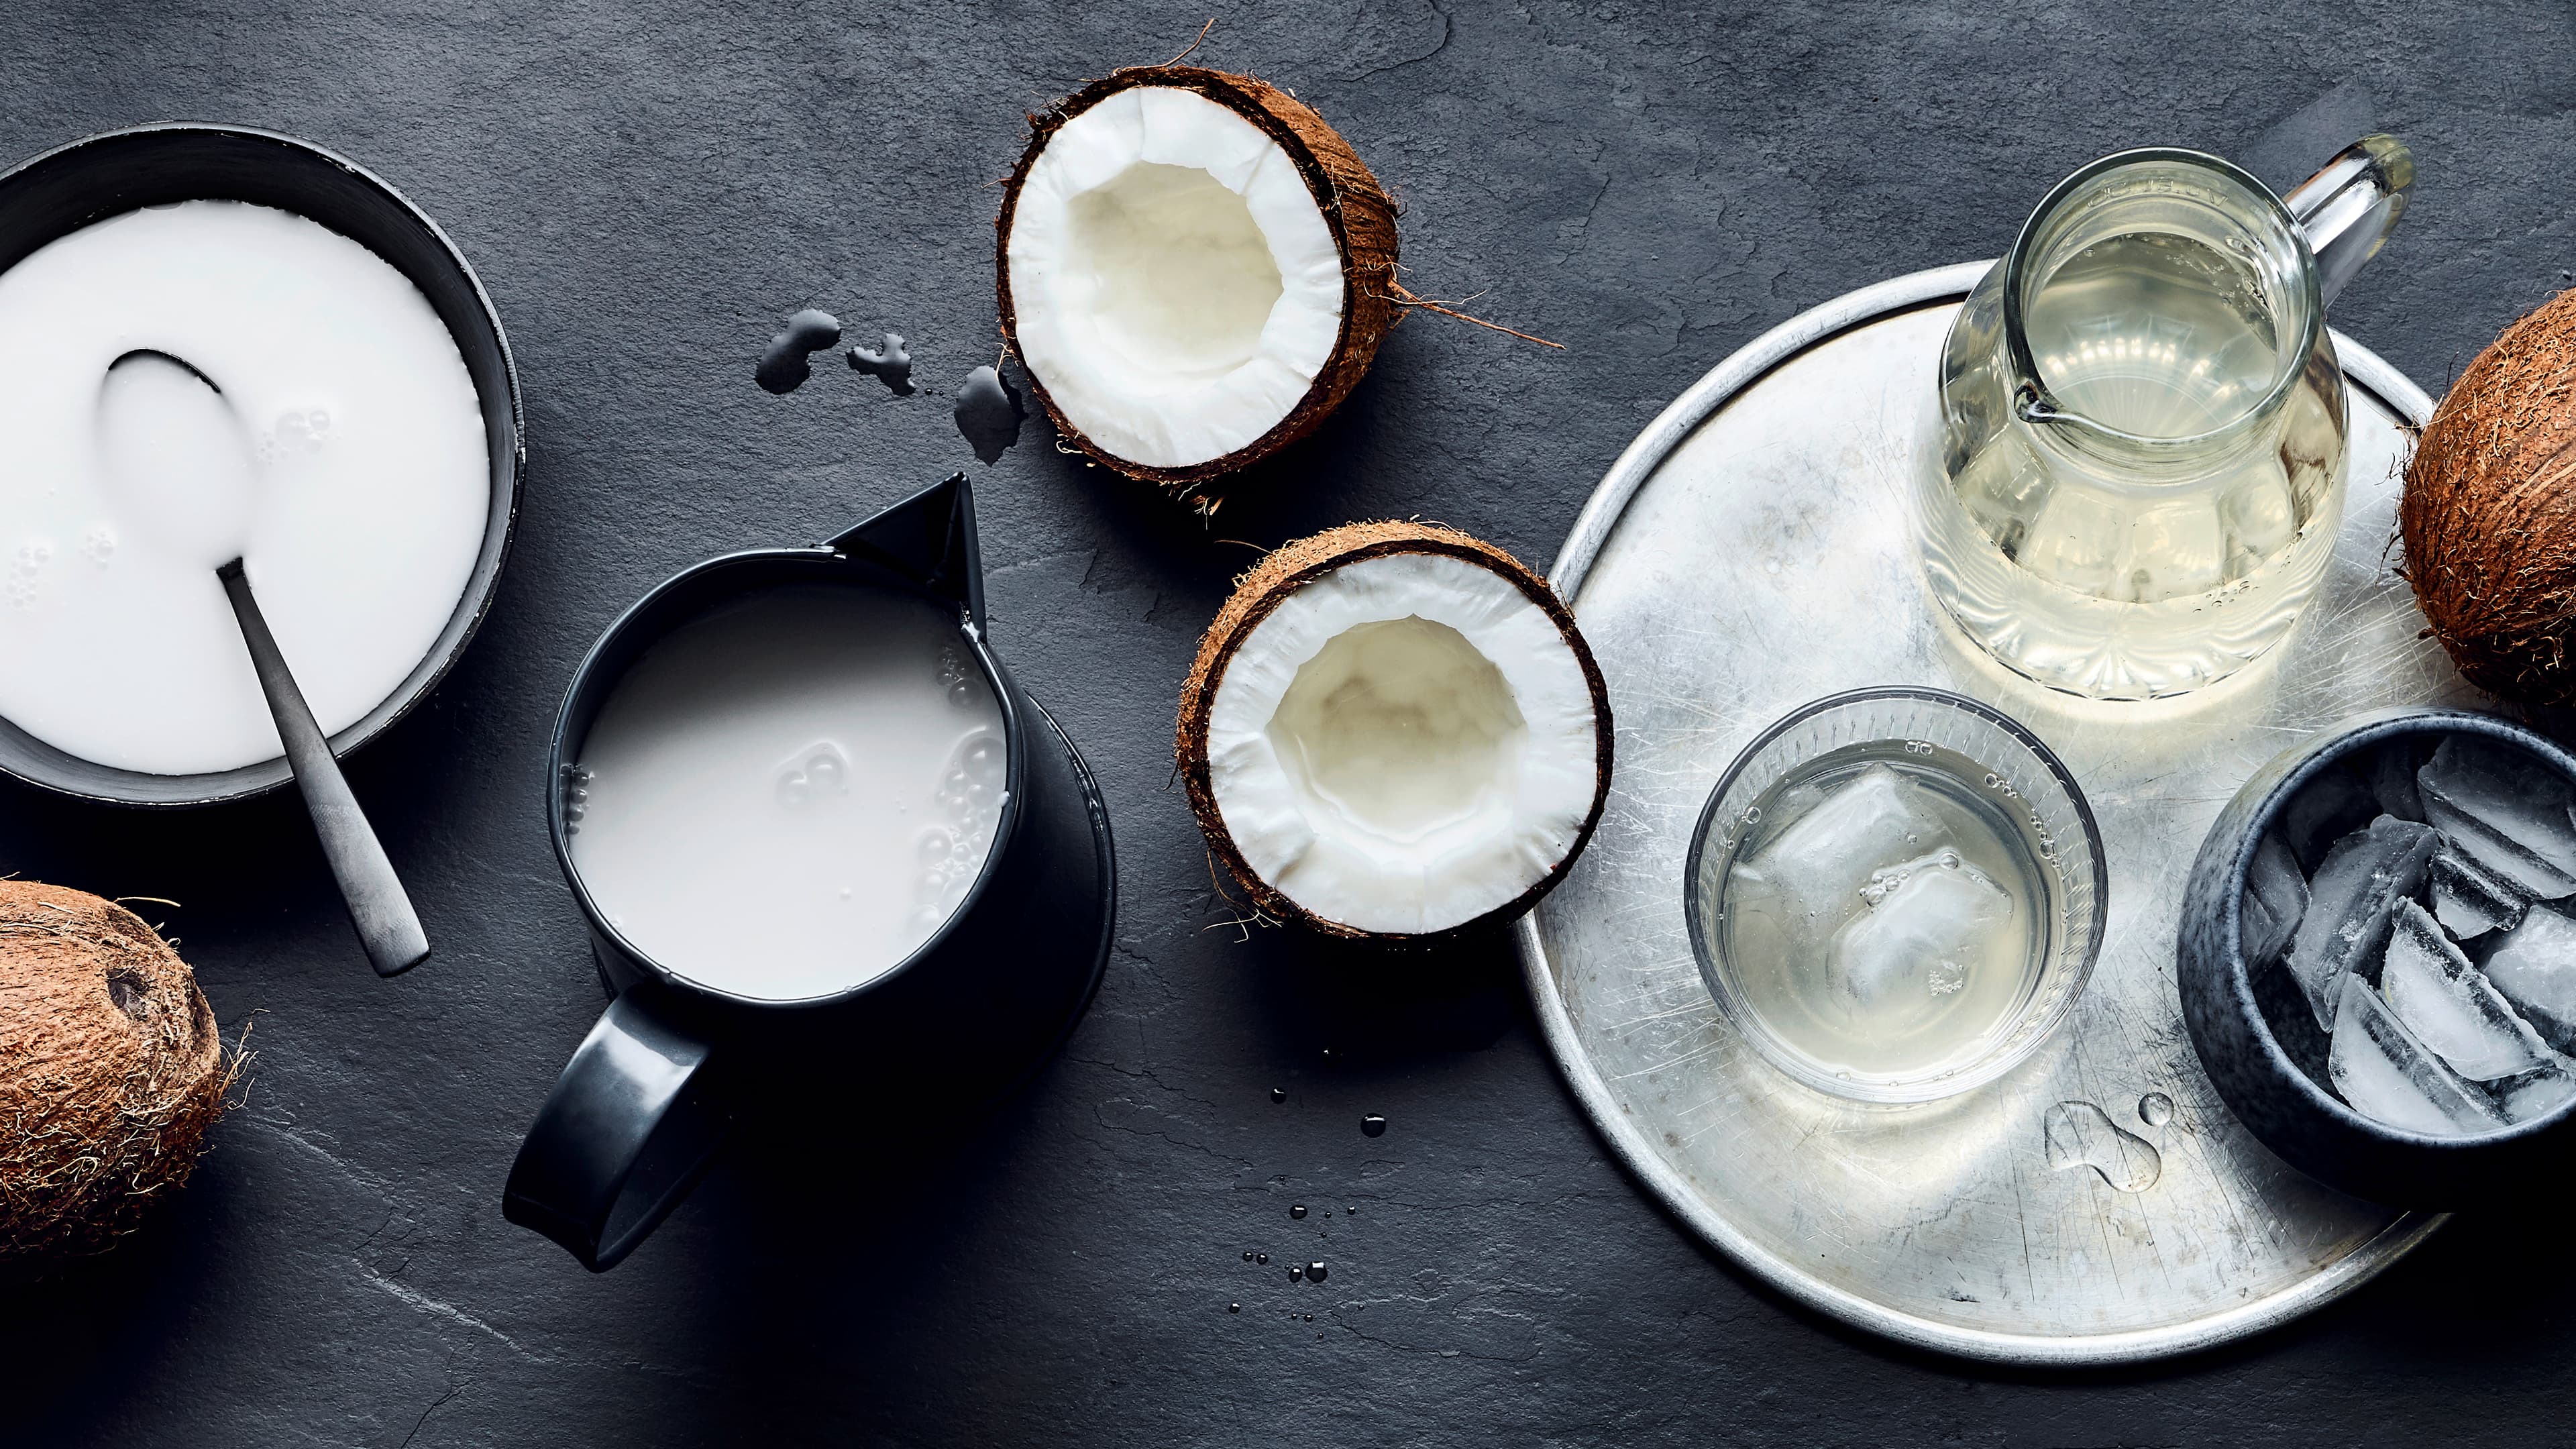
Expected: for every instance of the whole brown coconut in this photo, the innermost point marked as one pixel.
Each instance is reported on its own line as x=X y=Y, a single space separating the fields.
x=2489 y=513
x=1355 y=207
x=110 y=1071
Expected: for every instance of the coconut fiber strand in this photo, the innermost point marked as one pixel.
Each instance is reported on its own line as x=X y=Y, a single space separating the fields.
x=2489 y=513
x=111 y=1069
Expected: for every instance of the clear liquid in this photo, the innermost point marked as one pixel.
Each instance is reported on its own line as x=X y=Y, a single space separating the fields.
x=2154 y=334
x=2119 y=574
x=1804 y=942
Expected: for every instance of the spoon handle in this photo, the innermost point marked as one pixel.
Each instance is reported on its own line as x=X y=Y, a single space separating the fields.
x=387 y=925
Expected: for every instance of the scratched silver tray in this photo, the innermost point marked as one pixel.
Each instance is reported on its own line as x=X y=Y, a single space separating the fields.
x=1754 y=549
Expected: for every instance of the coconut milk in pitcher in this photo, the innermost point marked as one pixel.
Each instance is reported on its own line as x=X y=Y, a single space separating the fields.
x=2139 y=473
x=786 y=797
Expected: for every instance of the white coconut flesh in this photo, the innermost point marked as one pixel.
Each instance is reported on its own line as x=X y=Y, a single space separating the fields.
x=1174 y=285
x=1403 y=745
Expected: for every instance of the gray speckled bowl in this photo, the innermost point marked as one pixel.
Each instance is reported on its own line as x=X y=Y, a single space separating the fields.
x=2258 y=1073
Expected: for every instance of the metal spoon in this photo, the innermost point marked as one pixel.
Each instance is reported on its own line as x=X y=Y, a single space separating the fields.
x=176 y=456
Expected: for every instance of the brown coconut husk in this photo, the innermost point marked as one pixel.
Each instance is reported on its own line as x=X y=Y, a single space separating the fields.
x=1355 y=207
x=1261 y=590
x=111 y=1070
x=2488 y=517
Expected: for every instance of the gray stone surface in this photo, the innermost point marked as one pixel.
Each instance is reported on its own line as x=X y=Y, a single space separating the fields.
x=647 y=190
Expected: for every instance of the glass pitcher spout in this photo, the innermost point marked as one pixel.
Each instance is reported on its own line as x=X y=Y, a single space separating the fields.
x=2348 y=208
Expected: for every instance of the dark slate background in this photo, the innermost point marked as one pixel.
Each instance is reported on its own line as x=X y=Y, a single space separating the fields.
x=647 y=188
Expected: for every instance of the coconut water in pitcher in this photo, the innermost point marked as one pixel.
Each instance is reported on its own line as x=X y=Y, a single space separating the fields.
x=2138 y=475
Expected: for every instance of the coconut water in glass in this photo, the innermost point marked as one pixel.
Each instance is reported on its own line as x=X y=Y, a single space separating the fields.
x=1886 y=917
x=2138 y=473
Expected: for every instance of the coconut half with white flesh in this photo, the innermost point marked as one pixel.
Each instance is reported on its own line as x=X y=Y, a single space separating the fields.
x=1194 y=269
x=1395 y=730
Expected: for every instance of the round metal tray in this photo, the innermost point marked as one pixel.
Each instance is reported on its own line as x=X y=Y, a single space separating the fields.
x=1754 y=549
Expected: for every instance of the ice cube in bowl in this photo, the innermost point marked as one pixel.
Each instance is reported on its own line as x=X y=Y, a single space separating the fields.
x=2443 y=1088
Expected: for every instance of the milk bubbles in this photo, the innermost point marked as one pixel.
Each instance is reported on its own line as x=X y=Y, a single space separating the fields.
x=296 y=433
x=27 y=571
x=969 y=805
x=818 y=772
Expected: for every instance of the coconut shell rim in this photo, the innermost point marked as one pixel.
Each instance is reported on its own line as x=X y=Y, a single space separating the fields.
x=1259 y=592
x=1367 y=315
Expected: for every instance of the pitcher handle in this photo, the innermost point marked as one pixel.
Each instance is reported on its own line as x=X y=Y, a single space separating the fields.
x=2348 y=209
x=628 y=1129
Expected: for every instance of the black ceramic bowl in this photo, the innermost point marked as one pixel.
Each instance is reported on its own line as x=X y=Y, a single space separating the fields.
x=72 y=186
x=2258 y=1074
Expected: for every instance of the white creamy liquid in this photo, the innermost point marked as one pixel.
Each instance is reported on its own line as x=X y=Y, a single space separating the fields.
x=370 y=484
x=784 y=797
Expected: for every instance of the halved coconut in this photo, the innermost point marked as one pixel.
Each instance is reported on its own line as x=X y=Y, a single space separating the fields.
x=1193 y=267
x=1395 y=730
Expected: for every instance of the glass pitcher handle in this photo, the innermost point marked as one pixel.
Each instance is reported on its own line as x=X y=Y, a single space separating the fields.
x=2349 y=208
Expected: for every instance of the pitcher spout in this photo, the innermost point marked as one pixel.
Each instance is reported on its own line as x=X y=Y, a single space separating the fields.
x=929 y=540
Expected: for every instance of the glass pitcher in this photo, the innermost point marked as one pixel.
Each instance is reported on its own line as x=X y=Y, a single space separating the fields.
x=2138 y=475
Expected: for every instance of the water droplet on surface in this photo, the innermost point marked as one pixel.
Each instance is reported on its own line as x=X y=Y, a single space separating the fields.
x=1295 y=1273
x=783 y=366
x=1234 y=1308
x=1310 y=1318
x=1350 y=1210
x=889 y=364
x=2155 y=1109
x=2079 y=1134
x=1315 y=1272
x=1297 y=1210
x=1279 y=1094
x=988 y=414
x=1247 y=1255
x=1261 y=1257
x=1373 y=1125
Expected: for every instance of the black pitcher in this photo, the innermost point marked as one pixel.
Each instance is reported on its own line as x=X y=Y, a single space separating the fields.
x=964 y=1018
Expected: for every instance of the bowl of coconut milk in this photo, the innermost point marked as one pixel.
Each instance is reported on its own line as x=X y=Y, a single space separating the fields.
x=830 y=854
x=374 y=403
